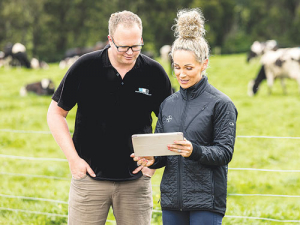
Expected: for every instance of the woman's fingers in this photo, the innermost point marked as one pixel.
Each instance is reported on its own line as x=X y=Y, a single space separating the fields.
x=184 y=147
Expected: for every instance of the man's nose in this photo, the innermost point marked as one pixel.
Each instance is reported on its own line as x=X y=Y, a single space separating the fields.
x=129 y=51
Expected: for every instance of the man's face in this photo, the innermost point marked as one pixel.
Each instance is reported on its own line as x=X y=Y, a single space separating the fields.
x=125 y=36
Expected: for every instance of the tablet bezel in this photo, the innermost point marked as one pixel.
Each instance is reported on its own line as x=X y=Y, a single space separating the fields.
x=155 y=144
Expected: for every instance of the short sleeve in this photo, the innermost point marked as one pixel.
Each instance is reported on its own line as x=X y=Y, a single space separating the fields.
x=66 y=94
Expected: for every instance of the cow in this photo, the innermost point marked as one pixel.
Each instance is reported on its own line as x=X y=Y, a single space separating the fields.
x=166 y=57
x=43 y=87
x=280 y=64
x=72 y=54
x=15 y=55
x=37 y=64
x=165 y=53
x=67 y=62
x=259 y=48
x=1 y=58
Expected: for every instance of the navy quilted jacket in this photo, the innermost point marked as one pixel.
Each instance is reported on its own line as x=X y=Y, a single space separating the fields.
x=207 y=118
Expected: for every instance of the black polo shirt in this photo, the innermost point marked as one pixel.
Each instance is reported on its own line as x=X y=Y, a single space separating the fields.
x=110 y=109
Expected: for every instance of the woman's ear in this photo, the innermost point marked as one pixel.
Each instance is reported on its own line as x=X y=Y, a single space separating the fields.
x=204 y=64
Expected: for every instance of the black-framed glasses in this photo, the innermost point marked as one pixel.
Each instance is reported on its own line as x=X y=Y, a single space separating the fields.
x=134 y=48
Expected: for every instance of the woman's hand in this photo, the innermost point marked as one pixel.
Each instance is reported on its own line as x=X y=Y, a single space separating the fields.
x=184 y=148
x=142 y=162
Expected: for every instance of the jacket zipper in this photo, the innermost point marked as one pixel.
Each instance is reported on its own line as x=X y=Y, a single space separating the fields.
x=212 y=189
x=180 y=159
x=179 y=183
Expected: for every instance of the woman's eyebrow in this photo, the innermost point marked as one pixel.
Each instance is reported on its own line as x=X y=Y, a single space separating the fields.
x=189 y=64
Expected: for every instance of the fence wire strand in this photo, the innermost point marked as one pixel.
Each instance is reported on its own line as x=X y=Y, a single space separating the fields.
x=64 y=160
x=154 y=210
x=157 y=211
x=48 y=132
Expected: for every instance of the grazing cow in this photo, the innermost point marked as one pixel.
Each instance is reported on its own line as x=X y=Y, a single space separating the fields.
x=282 y=63
x=1 y=58
x=67 y=62
x=259 y=48
x=43 y=87
x=36 y=64
x=166 y=57
x=15 y=55
x=165 y=53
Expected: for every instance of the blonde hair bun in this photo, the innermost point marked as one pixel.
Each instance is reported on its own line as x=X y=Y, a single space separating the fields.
x=189 y=24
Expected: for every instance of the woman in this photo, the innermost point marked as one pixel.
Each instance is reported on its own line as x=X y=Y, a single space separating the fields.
x=194 y=183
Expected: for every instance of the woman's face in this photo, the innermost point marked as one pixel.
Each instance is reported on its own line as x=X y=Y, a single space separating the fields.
x=187 y=69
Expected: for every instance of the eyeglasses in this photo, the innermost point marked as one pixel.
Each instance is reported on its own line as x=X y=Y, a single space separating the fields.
x=134 y=48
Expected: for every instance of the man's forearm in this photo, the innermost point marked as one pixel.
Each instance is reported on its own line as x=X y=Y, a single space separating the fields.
x=60 y=131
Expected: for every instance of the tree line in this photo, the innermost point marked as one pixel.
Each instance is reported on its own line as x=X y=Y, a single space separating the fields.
x=49 y=27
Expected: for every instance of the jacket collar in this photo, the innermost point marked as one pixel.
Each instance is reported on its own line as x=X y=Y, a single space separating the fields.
x=195 y=90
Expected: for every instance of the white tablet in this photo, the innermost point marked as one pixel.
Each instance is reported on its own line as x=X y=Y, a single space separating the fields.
x=155 y=144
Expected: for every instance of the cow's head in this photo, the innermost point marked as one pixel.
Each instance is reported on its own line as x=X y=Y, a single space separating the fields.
x=259 y=48
x=47 y=86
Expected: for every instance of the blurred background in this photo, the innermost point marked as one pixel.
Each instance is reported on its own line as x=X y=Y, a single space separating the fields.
x=47 y=28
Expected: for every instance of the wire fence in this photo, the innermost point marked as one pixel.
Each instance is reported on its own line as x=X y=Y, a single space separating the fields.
x=48 y=132
x=15 y=157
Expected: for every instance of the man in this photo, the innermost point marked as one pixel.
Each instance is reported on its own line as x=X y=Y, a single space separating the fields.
x=115 y=89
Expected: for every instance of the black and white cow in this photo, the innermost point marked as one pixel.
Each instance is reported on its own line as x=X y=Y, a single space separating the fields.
x=15 y=55
x=72 y=54
x=259 y=48
x=282 y=63
x=43 y=87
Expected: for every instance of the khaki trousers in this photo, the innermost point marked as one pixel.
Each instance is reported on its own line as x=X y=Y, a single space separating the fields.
x=90 y=201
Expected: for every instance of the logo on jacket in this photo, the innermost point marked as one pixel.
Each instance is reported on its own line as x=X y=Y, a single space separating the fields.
x=144 y=91
x=169 y=118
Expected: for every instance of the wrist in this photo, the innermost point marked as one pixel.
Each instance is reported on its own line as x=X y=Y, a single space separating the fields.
x=73 y=159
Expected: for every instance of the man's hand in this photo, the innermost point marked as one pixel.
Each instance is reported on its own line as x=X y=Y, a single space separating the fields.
x=79 y=168
x=148 y=172
x=142 y=162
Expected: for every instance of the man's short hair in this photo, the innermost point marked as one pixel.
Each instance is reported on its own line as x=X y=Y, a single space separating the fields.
x=127 y=18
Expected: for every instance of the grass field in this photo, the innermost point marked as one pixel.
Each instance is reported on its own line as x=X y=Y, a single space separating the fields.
x=34 y=189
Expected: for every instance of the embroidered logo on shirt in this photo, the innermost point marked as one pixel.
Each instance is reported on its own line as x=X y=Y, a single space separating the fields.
x=144 y=91
x=169 y=118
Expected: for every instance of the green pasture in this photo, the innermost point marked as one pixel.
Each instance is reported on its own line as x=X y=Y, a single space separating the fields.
x=35 y=191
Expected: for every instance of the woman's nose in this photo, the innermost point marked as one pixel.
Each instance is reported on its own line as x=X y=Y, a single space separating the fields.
x=182 y=74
